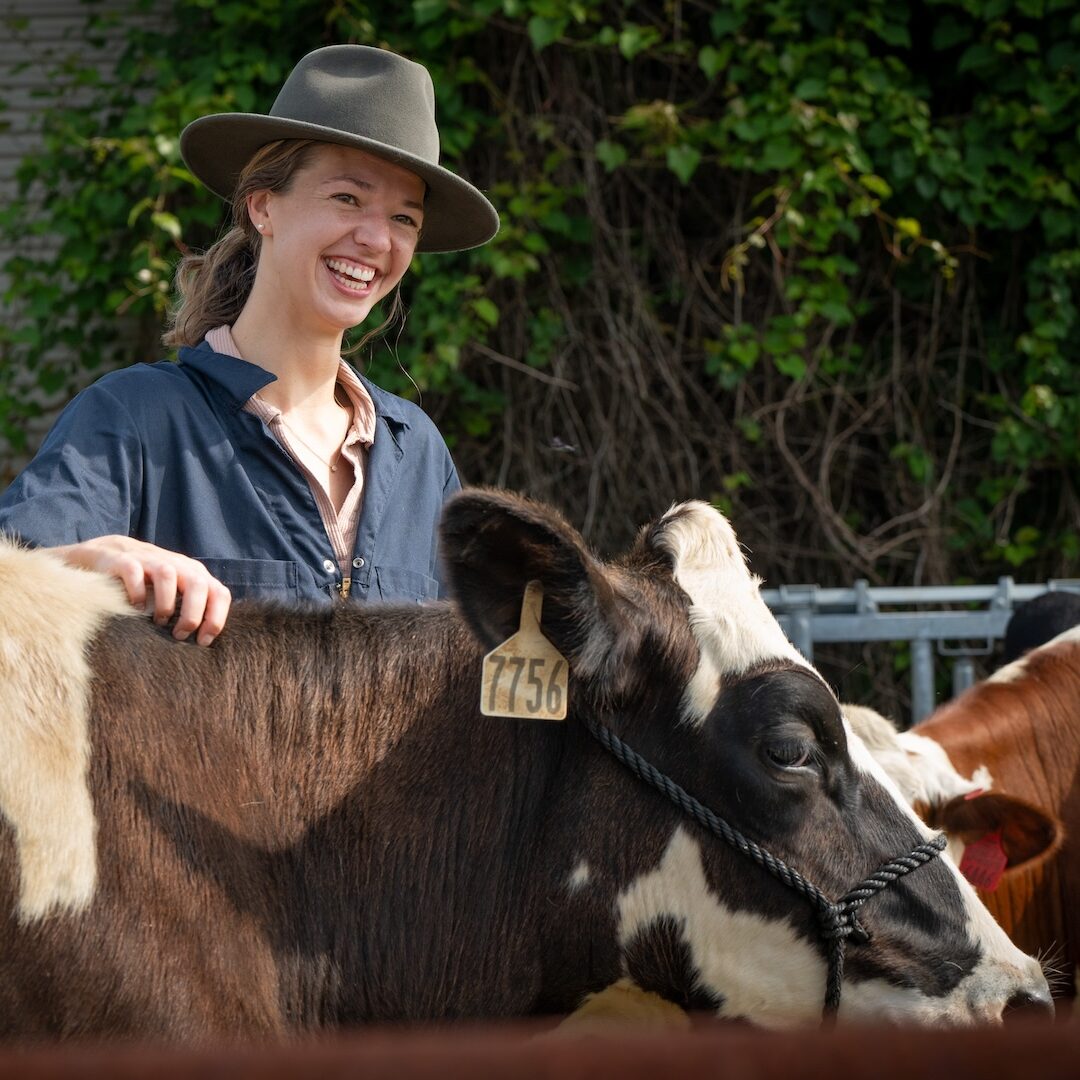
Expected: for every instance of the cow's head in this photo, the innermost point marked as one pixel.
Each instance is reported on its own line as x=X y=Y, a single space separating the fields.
x=965 y=808
x=672 y=647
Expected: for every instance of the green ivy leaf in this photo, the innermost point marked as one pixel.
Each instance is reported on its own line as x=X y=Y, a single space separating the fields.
x=874 y=183
x=169 y=223
x=636 y=39
x=137 y=210
x=780 y=154
x=726 y=21
x=947 y=34
x=745 y=353
x=895 y=34
x=544 y=32
x=683 y=161
x=426 y=11
x=975 y=57
x=811 y=89
x=487 y=310
x=836 y=311
x=749 y=429
x=792 y=365
x=926 y=186
x=610 y=154
x=713 y=61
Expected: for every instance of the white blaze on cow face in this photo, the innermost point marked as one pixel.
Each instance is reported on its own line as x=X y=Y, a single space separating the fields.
x=51 y=612
x=734 y=628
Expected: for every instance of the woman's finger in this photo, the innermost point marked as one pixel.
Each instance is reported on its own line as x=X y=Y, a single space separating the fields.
x=218 y=602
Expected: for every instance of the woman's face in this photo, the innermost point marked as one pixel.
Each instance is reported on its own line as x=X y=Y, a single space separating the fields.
x=339 y=239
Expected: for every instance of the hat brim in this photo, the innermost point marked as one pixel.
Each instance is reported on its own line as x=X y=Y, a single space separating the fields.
x=216 y=148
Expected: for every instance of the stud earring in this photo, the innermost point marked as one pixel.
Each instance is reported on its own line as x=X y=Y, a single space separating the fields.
x=260 y=227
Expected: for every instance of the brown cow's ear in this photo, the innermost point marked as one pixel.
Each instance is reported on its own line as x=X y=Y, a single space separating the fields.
x=494 y=543
x=1027 y=832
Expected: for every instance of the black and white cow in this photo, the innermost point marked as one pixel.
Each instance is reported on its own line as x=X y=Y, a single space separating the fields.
x=310 y=823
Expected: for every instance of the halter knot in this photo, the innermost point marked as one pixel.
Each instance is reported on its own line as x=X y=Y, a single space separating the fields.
x=839 y=922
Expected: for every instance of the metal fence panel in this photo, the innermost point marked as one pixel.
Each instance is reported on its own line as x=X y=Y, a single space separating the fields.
x=917 y=615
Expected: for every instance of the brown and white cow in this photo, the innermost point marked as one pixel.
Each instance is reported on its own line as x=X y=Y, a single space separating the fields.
x=970 y=810
x=1018 y=731
x=310 y=824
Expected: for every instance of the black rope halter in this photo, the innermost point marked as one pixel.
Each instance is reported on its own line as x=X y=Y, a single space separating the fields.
x=837 y=922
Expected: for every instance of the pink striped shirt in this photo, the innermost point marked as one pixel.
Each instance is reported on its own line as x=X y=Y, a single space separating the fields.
x=340 y=525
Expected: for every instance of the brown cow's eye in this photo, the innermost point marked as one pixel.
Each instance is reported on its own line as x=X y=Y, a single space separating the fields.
x=788 y=754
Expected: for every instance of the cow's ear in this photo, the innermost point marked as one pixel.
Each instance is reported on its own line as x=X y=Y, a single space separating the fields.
x=1028 y=833
x=494 y=543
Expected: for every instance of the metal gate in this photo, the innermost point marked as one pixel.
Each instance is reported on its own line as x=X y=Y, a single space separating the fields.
x=956 y=622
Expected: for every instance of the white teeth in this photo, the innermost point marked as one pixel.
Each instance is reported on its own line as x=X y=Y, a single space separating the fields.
x=362 y=274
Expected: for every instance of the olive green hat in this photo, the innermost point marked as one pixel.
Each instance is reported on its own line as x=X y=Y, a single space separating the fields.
x=352 y=95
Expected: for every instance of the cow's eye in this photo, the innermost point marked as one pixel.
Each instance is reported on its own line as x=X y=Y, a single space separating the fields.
x=788 y=753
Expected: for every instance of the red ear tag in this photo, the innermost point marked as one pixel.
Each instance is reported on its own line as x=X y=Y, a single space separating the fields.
x=984 y=862
x=974 y=794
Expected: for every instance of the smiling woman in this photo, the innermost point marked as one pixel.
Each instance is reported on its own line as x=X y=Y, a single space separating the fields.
x=262 y=464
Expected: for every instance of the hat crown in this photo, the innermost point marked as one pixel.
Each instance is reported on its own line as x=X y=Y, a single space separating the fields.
x=366 y=92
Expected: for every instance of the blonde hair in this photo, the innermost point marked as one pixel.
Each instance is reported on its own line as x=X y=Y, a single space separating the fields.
x=215 y=285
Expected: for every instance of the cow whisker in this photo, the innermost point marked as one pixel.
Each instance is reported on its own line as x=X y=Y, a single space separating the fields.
x=1055 y=969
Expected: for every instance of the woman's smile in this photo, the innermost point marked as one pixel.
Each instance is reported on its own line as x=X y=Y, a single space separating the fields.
x=351 y=276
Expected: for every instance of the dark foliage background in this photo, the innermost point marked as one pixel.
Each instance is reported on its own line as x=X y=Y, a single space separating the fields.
x=815 y=264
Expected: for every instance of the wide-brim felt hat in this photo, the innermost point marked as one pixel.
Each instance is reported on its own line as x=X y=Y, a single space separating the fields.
x=352 y=95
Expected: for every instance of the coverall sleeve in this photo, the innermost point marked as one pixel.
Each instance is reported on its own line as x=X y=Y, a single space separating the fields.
x=86 y=479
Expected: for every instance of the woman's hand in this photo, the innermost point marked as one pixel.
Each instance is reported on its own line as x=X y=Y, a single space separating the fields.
x=204 y=603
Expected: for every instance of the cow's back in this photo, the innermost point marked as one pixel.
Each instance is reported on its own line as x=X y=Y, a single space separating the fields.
x=272 y=815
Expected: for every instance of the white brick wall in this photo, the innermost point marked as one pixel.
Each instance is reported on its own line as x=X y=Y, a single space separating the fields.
x=35 y=37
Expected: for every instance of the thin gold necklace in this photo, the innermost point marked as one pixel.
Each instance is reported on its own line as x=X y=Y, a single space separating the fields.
x=303 y=442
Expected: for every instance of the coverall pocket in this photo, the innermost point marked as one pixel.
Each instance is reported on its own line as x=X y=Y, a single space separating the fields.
x=399 y=585
x=256 y=579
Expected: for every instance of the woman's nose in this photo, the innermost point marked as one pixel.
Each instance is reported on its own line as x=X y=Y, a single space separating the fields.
x=373 y=234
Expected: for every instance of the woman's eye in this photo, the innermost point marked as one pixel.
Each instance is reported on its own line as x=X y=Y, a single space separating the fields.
x=345 y=195
x=788 y=755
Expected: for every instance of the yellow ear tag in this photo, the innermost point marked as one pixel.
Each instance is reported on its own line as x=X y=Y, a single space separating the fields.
x=525 y=677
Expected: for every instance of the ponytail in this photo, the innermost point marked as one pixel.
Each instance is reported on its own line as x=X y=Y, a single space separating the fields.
x=214 y=286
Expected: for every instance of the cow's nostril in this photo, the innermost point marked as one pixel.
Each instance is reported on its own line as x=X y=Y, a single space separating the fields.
x=1029 y=1003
